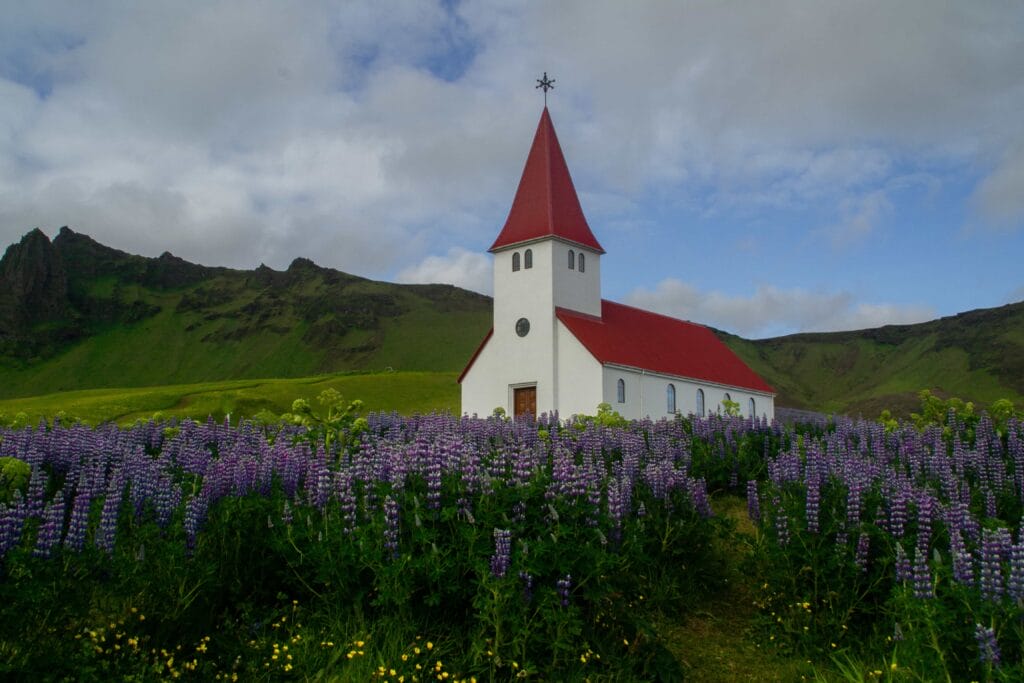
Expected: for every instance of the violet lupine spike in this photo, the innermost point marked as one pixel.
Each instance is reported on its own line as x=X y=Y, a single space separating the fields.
x=391 y=527
x=564 y=586
x=781 y=522
x=502 y=556
x=813 y=504
x=963 y=561
x=863 y=549
x=78 y=525
x=753 y=501
x=922 y=577
x=903 y=568
x=1015 y=583
x=51 y=529
x=990 y=577
x=988 y=647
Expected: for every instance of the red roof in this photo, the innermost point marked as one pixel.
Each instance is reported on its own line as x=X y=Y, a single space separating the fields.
x=546 y=204
x=628 y=336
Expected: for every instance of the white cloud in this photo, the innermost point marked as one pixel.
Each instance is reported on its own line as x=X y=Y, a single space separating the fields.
x=1000 y=196
x=771 y=311
x=466 y=269
x=859 y=216
x=366 y=138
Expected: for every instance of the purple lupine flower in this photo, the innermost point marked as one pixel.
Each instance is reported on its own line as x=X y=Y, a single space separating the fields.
x=11 y=524
x=853 y=502
x=990 y=579
x=922 y=577
x=75 y=538
x=564 y=585
x=863 y=548
x=963 y=562
x=753 y=502
x=1015 y=584
x=988 y=647
x=502 y=556
x=391 y=527
x=106 y=533
x=925 y=512
x=195 y=514
x=813 y=504
x=781 y=522
x=990 y=503
x=903 y=570
x=52 y=527
x=897 y=514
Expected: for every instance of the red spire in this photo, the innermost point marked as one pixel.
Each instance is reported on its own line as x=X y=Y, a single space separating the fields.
x=546 y=203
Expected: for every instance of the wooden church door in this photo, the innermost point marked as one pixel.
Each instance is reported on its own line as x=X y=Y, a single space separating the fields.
x=525 y=400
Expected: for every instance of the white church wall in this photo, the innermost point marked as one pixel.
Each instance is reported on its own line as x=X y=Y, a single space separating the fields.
x=647 y=395
x=575 y=290
x=513 y=360
x=579 y=376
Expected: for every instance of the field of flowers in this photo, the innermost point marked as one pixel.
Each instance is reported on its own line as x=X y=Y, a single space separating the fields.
x=444 y=548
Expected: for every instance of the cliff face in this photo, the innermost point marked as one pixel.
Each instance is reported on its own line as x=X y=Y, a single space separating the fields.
x=34 y=282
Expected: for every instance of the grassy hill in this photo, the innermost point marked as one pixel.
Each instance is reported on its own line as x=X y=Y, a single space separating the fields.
x=75 y=314
x=978 y=356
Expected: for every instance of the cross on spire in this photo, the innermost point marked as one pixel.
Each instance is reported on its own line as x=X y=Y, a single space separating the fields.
x=545 y=84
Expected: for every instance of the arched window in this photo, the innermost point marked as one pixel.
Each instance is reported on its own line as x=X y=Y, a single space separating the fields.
x=581 y=262
x=572 y=260
x=528 y=259
x=621 y=390
x=752 y=407
x=515 y=262
x=670 y=397
x=700 y=403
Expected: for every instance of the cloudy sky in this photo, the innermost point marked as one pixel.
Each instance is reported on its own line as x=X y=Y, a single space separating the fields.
x=765 y=168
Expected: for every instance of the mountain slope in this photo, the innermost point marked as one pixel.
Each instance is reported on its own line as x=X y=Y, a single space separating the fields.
x=75 y=314
x=977 y=355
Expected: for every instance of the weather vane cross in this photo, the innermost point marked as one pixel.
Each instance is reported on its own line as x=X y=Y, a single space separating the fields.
x=545 y=84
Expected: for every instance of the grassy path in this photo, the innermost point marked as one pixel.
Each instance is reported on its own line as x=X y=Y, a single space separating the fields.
x=716 y=643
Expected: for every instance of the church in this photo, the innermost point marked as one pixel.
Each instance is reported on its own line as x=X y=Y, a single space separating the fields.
x=556 y=345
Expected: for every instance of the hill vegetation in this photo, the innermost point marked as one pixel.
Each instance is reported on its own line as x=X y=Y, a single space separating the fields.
x=77 y=315
x=977 y=356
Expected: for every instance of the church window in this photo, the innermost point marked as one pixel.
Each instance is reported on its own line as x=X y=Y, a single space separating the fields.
x=700 y=403
x=528 y=259
x=752 y=407
x=670 y=395
x=621 y=390
x=572 y=260
x=581 y=262
x=515 y=262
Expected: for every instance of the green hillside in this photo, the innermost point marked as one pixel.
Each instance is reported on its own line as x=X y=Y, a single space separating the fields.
x=404 y=392
x=75 y=314
x=978 y=356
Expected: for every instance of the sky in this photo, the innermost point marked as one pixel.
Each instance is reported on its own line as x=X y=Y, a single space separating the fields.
x=765 y=168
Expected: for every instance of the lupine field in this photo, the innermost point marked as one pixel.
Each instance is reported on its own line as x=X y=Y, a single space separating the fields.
x=444 y=548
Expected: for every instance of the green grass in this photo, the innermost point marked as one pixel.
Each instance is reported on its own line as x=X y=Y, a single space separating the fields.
x=404 y=392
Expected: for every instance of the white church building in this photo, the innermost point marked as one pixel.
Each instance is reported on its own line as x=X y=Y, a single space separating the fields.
x=556 y=345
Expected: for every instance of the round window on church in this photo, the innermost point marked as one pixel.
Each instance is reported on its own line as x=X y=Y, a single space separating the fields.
x=522 y=327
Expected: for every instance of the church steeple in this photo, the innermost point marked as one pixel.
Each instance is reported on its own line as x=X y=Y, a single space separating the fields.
x=546 y=204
